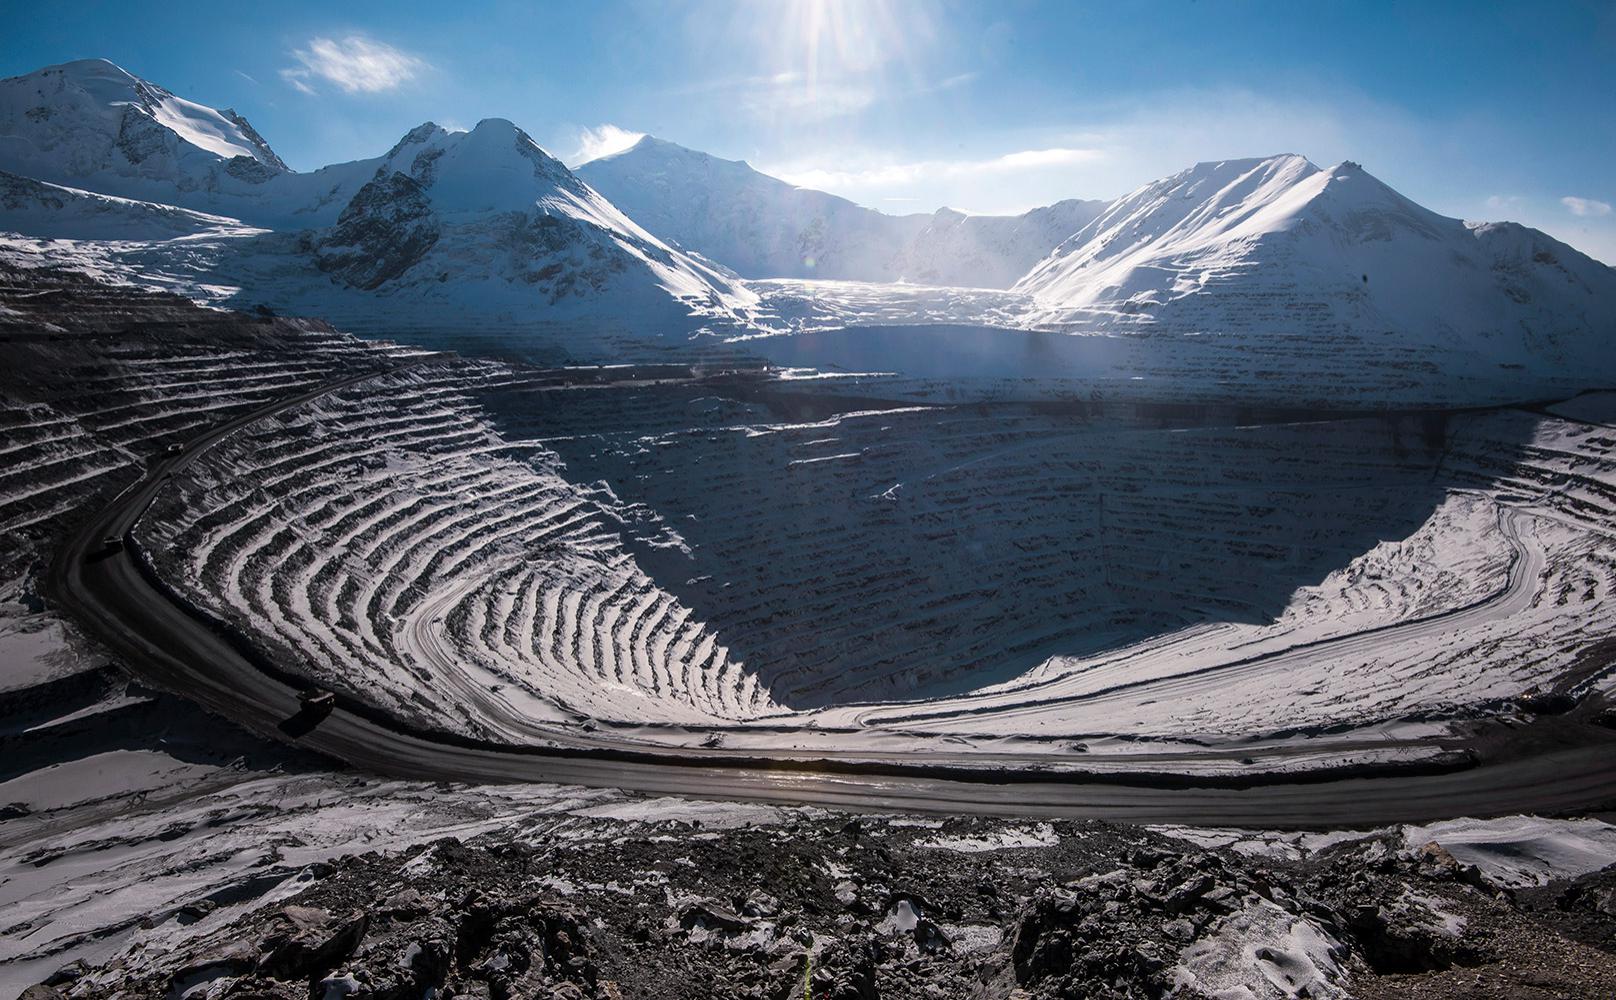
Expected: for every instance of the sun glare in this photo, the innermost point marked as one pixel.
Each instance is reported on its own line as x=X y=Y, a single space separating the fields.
x=830 y=42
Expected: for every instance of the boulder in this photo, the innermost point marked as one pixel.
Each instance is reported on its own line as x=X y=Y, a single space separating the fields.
x=305 y=941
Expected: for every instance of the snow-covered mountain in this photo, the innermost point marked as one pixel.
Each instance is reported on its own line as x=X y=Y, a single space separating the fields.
x=1271 y=251
x=93 y=126
x=990 y=251
x=90 y=124
x=488 y=212
x=1254 y=278
x=757 y=225
x=445 y=226
x=763 y=227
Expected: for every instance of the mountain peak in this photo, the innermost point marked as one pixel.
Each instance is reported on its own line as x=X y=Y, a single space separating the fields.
x=1288 y=165
x=91 y=117
x=1212 y=249
x=497 y=127
x=648 y=142
x=650 y=146
x=495 y=166
x=86 y=68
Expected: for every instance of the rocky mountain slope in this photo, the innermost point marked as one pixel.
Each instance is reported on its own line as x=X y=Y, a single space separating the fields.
x=763 y=227
x=38 y=207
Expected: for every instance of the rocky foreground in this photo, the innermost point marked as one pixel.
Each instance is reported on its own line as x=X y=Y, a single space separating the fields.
x=854 y=908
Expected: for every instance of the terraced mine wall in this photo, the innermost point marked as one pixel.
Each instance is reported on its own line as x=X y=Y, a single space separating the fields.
x=506 y=552
x=98 y=380
x=497 y=550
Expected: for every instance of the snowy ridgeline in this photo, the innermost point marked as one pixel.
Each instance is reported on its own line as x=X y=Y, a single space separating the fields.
x=680 y=555
x=1262 y=280
x=762 y=227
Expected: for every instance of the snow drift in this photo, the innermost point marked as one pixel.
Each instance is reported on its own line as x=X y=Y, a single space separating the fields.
x=38 y=208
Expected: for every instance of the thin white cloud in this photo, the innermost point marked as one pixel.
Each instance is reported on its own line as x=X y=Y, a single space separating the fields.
x=604 y=140
x=1585 y=207
x=812 y=97
x=299 y=80
x=921 y=172
x=957 y=80
x=357 y=64
x=1033 y=158
x=246 y=77
x=803 y=99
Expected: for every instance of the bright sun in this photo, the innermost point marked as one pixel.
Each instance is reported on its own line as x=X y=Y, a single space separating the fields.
x=829 y=40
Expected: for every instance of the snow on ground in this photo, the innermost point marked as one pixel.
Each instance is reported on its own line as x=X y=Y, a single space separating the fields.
x=428 y=547
x=84 y=890
x=77 y=418
x=1291 y=845
x=98 y=777
x=711 y=815
x=1008 y=839
x=34 y=647
x=660 y=557
x=1265 y=952
x=1511 y=851
x=35 y=208
x=80 y=879
x=1517 y=851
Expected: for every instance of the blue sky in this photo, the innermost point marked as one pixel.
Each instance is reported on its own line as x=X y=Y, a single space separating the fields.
x=1478 y=110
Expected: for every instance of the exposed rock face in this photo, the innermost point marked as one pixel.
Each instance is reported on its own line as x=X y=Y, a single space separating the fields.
x=265 y=155
x=384 y=231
